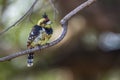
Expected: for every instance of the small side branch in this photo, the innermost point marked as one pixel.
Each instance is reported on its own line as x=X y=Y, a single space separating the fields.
x=64 y=26
x=53 y=6
x=19 y=20
x=54 y=9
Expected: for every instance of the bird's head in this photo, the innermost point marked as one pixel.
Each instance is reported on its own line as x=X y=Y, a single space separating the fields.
x=47 y=21
x=44 y=20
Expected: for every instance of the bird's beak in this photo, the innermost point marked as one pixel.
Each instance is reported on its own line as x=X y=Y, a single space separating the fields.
x=49 y=22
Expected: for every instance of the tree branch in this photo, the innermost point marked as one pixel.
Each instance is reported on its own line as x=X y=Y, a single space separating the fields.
x=64 y=23
x=19 y=20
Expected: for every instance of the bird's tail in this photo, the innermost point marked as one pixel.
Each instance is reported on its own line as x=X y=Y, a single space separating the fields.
x=30 y=59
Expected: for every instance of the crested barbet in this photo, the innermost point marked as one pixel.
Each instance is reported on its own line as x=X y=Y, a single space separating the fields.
x=39 y=35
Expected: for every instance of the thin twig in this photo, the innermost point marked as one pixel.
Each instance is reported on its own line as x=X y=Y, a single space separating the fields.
x=54 y=9
x=64 y=25
x=19 y=20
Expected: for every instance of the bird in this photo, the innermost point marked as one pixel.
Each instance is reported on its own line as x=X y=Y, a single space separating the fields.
x=39 y=35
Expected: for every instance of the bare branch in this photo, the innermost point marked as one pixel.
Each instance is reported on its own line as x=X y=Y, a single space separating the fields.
x=73 y=12
x=19 y=20
x=64 y=25
x=9 y=57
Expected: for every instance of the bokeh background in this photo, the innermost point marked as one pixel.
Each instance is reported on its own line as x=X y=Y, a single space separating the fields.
x=89 y=51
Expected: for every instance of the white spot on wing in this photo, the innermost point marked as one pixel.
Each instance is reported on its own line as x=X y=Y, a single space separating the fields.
x=32 y=33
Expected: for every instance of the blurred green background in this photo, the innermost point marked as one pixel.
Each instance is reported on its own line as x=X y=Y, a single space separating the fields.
x=89 y=51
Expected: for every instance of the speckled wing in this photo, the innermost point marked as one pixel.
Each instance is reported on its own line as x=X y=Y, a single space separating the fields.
x=35 y=32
